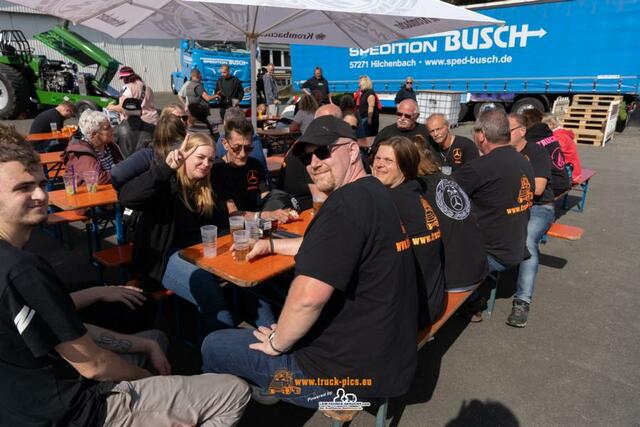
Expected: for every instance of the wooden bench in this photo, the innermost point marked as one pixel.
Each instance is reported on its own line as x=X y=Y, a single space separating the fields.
x=116 y=256
x=61 y=220
x=452 y=301
x=580 y=184
x=563 y=231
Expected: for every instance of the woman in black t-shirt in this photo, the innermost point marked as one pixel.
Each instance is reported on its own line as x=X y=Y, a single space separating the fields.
x=368 y=111
x=176 y=198
x=444 y=234
x=395 y=164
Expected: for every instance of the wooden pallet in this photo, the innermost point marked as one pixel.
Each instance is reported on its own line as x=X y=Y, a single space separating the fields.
x=595 y=100
x=593 y=118
x=590 y=137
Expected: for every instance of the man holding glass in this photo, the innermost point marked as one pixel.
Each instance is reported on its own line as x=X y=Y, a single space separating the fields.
x=351 y=310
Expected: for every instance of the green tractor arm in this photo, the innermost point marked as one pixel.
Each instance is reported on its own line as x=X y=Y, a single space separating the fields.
x=82 y=51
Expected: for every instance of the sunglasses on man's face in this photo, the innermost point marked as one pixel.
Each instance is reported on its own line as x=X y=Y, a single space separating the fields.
x=237 y=148
x=322 y=153
x=405 y=115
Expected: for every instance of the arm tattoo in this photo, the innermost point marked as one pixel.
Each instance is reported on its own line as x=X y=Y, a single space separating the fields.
x=108 y=341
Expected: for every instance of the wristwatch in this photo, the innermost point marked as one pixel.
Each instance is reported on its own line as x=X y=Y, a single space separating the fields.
x=271 y=336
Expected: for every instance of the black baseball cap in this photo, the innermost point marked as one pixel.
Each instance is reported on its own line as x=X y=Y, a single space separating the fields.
x=131 y=104
x=324 y=130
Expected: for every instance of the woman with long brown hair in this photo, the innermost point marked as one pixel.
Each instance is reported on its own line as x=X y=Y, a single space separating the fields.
x=437 y=217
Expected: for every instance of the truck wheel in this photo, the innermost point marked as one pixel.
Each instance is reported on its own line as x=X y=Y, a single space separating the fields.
x=84 y=105
x=481 y=107
x=14 y=92
x=464 y=110
x=173 y=86
x=529 y=103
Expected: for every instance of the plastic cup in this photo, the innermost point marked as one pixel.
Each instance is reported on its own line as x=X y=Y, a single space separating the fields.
x=241 y=244
x=209 y=240
x=446 y=170
x=236 y=223
x=265 y=152
x=69 y=180
x=91 y=179
x=252 y=226
x=318 y=201
x=54 y=127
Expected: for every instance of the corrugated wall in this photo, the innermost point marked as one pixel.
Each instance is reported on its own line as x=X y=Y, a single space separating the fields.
x=153 y=60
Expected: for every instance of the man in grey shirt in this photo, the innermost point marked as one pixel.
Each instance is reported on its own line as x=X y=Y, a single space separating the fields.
x=193 y=91
x=270 y=86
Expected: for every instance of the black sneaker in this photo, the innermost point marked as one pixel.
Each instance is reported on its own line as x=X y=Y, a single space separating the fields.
x=473 y=310
x=519 y=313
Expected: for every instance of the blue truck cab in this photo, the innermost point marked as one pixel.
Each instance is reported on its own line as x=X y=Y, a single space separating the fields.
x=207 y=57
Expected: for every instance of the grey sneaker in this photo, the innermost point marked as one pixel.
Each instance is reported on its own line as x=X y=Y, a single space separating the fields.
x=519 y=313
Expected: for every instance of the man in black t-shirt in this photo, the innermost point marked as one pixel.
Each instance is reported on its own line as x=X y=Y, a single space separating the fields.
x=351 y=311
x=542 y=215
x=319 y=83
x=500 y=184
x=42 y=122
x=453 y=150
x=54 y=369
x=239 y=180
x=406 y=124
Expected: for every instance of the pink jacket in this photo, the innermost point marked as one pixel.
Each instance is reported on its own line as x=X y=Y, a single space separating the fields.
x=82 y=157
x=566 y=139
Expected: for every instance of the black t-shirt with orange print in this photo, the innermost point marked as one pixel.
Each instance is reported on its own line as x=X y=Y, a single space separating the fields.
x=462 y=150
x=500 y=185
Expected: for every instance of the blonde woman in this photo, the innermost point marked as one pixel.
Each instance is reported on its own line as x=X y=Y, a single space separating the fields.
x=176 y=199
x=368 y=107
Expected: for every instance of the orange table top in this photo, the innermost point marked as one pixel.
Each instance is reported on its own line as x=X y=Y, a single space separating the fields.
x=276 y=132
x=66 y=133
x=106 y=195
x=246 y=274
x=51 y=157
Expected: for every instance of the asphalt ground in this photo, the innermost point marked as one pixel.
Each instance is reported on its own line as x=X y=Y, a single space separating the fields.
x=577 y=363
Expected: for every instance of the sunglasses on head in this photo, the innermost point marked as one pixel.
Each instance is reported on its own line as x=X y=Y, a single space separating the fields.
x=323 y=152
x=237 y=148
x=405 y=115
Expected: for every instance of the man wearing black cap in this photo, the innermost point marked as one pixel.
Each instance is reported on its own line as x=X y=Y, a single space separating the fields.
x=132 y=133
x=351 y=310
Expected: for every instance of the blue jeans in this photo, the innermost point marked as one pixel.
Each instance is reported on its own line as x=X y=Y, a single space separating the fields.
x=495 y=265
x=227 y=351
x=200 y=288
x=541 y=218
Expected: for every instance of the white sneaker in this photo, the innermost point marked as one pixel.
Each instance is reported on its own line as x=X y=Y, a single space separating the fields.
x=262 y=396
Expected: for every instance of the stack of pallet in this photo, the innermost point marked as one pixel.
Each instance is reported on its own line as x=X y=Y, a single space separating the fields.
x=593 y=118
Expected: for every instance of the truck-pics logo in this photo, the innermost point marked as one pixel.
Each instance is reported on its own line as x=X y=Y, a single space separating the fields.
x=505 y=37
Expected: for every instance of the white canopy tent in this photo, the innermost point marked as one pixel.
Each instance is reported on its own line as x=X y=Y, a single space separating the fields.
x=346 y=23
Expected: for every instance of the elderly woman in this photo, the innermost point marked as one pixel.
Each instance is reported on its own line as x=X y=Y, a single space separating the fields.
x=368 y=107
x=437 y=217
x=95 y=151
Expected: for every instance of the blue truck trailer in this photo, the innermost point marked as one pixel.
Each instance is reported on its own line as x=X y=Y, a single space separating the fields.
x=545 y=49
x=207 y=57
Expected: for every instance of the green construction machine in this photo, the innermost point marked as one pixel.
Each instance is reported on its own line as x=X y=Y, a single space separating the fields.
x=29 y=81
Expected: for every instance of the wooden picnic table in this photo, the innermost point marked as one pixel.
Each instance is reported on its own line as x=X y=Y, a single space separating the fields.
x=52 y=165
x=106 y=195
x=274 y=163
x=66 y=133
x=246 y=274
x=276 y=133
x=51 y=158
